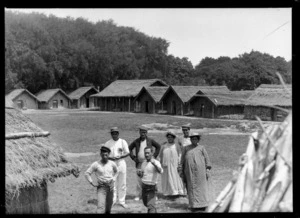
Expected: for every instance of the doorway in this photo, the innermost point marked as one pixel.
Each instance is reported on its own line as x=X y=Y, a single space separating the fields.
x=87 y=102
x=20 y=104
x=174 y=107
x=55 y=104
x=146 y=106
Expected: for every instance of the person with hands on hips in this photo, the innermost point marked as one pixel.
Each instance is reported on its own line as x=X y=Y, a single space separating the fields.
x=150 y=169
x=105 y=171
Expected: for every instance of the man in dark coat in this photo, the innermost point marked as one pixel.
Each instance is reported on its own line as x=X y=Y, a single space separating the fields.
x=138 y=157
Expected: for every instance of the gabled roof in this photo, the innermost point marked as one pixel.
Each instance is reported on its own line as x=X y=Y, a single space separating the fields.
x=8 y=103
x=31 y=160
x=17 y=92
x=221 y=95
x=46 y=95
x=126 y=88
x=156 y=93
x=78 y=93
x=271 y=95
x=185 y=93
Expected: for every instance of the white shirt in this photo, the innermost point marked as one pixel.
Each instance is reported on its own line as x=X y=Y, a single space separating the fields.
x=184 y=141
x=150 y=172
x=141 y=154
x=118 y=148
x=104 y=172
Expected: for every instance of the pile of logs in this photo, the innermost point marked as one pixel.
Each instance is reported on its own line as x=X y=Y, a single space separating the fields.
x=264 y=181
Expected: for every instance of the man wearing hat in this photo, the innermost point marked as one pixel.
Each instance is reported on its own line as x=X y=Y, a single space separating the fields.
x=185 y=139
x=138 y=156
x=105 y=171
x=119 y=151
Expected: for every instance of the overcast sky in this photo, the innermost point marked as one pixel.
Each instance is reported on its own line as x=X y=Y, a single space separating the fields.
x=200 y=33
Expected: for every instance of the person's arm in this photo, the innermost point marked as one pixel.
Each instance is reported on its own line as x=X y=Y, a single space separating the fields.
x=206 y=159
x=131 y=147
x=157 y=165
x=180 y=167
x=125 y=150
x=157 y=148
x=88 y=173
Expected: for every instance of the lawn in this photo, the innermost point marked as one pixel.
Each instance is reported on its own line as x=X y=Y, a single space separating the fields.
x=83 y=131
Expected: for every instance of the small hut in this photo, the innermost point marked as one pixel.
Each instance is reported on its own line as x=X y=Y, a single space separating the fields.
x=219 y=102
x=149 y=99
x=53 y=98
x=81 y=97
x=176 y=99
x=22 y=98
x=266 y=99
x=120 y=94
x=31 y=160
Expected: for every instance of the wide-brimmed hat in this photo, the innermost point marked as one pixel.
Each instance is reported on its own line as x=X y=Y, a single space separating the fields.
x=104 y=148
x=114 y=129
x=195 y=134
x=170 y=133
x=142 y=128
x=185 y=127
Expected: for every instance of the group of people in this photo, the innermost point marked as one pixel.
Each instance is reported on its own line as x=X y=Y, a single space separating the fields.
x=184 y=168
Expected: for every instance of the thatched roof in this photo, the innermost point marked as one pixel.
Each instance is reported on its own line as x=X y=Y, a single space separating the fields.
x=127 y=88
x=156 y=93
x=17 y=92
x=185 y=93
x=8 y=103
x=271 y=95
x=222 y=96
x=78 y=93
x=30 y=160
x=46 y=95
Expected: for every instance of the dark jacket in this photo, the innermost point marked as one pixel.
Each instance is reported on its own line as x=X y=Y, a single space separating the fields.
x=137 y=143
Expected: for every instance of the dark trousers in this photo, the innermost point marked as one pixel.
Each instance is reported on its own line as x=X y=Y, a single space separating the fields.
x=149 y=197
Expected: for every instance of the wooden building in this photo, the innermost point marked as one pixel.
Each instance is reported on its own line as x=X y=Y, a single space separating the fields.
x=81 y=97
x=53 y=98
x=265 y=99
x=176 y=98
x=149 y=99
x=23 y=99
x=120 y=94
x=31 y=161
x=217 y=101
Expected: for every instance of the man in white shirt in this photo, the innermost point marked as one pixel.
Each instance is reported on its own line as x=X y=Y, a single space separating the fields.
x=149 y=174
x=119 y=151
x=105 y=171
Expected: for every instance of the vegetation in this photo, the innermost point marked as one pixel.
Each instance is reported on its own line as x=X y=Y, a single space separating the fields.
x=44 y=52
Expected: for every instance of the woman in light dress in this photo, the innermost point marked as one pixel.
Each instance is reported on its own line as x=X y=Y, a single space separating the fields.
x=172 y=185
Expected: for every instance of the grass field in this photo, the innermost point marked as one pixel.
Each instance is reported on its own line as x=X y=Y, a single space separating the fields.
x=83 y=131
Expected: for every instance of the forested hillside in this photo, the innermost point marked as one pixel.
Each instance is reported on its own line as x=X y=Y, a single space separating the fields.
x=49 y=52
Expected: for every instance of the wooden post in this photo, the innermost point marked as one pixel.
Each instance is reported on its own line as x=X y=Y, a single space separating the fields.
x=153 y=107
x=162 y=105
x=123 y=107
x=105 y=104
x=181 y=108
x=213 y=112
x=129 y=105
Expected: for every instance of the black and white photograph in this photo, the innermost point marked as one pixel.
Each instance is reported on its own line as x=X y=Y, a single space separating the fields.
x=148 y=110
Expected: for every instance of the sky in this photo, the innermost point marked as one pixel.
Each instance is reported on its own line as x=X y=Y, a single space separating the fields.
x=197 y=33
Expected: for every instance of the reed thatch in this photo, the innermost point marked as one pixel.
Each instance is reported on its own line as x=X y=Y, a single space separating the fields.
x=127 y=88
x=271 y=95
x=17 y=92
x=185 y=93
x=78 y=93
x=156 y=93
x=264 y=182
x=30 y=161
x=46 y=95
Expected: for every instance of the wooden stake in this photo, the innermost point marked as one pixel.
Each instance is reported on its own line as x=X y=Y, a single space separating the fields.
x=26 y=134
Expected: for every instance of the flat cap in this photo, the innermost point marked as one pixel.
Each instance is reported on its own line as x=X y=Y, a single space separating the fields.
x=104 y=148
x=185 y=127
x=114 y=129
x=143 y=128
